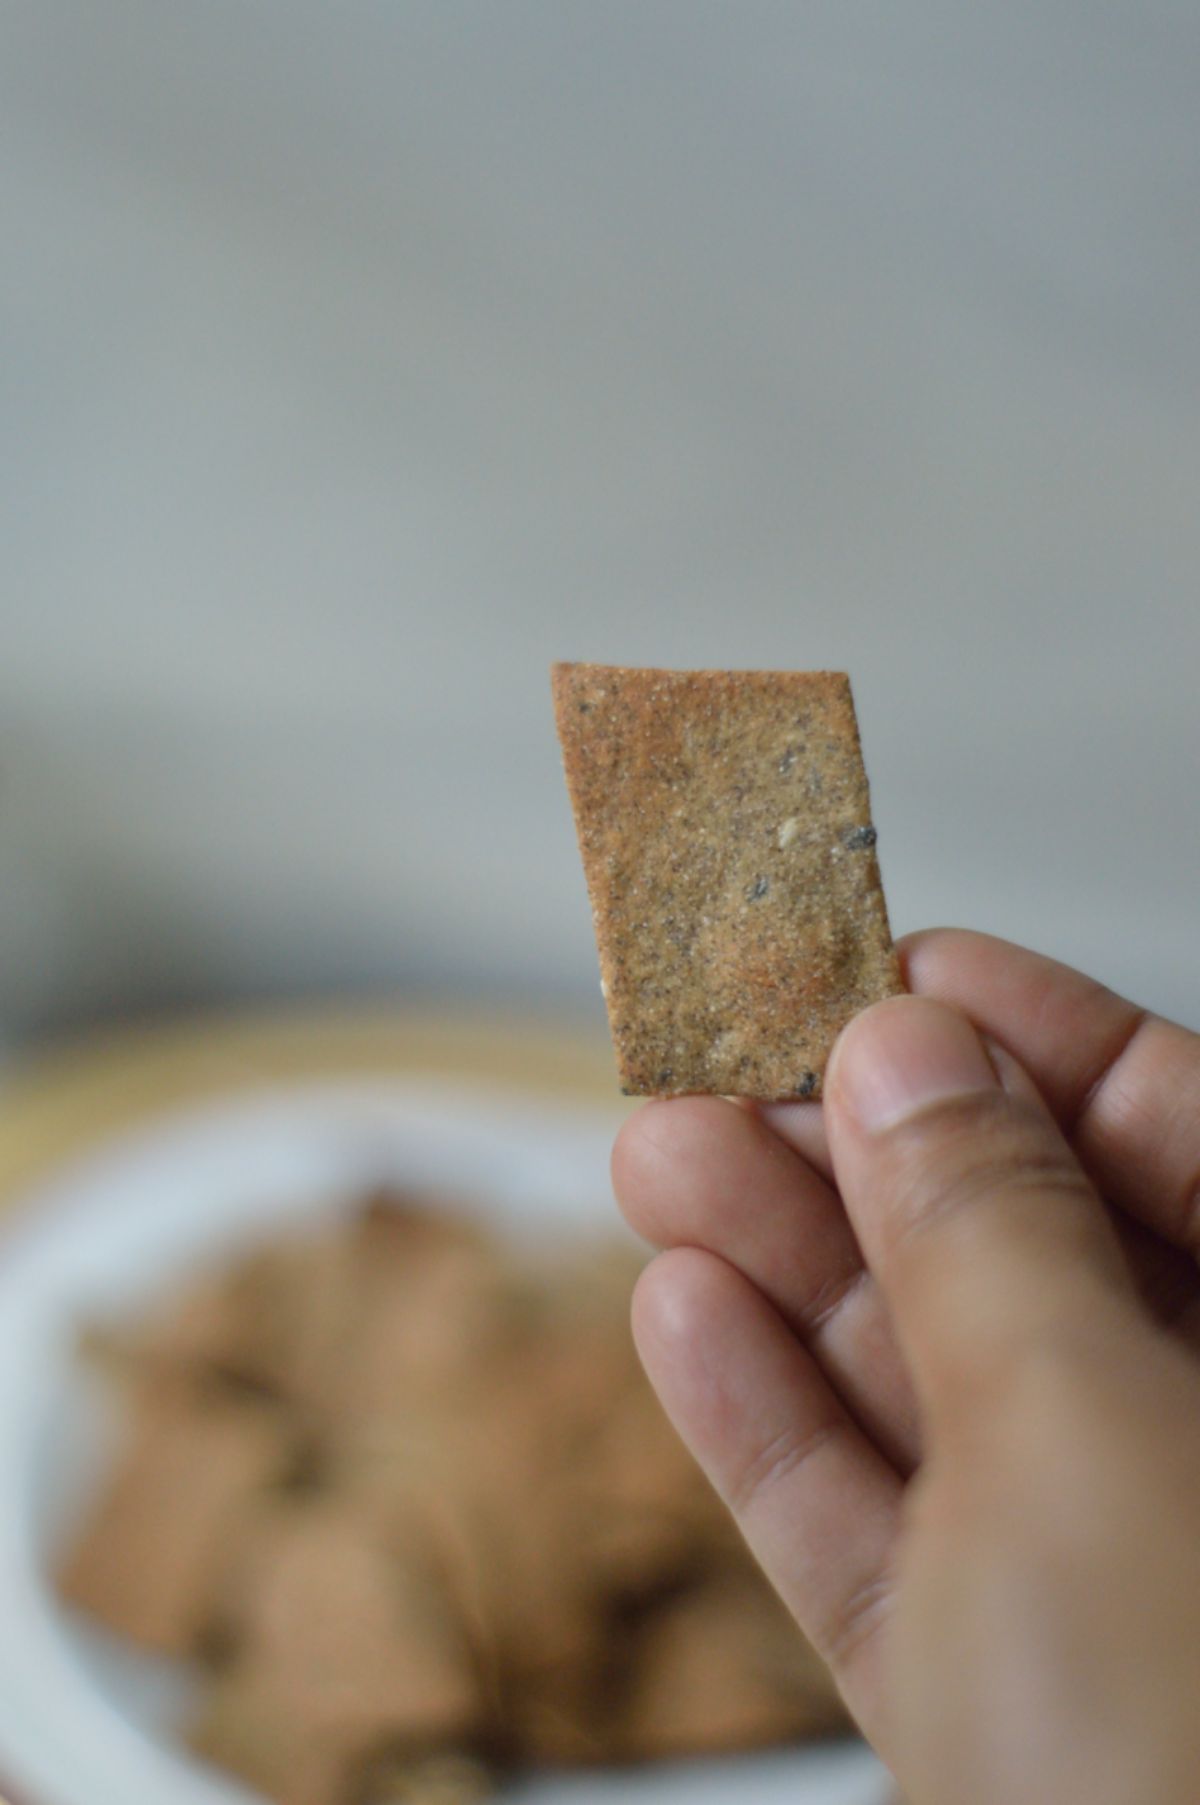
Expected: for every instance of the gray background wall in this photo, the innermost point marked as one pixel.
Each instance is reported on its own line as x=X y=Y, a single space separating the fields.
x=359 y=359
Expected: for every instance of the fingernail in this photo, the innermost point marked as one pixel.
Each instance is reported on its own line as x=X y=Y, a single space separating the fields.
x=900 y=1056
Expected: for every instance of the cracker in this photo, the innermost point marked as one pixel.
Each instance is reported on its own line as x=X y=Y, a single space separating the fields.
x=343 y=1646
x=148 y=1561
x=725 y=827
x=359 y=1632
x=723 y=1667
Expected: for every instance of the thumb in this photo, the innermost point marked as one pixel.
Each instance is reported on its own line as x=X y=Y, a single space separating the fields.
x=969 y=1206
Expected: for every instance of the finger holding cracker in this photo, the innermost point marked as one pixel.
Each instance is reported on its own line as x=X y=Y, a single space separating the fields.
x=725 y=828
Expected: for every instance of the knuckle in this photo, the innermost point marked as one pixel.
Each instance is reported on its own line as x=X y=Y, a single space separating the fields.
x=825 y=1302
x=778 y=1459
x=858 y=1617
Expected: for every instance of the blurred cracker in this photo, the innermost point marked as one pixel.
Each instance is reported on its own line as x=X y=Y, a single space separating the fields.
x=272 y=1320
x=148 y=1562
x=449 y=1777
x=362 y=1632
x=343 y=1647
x=722 y=1668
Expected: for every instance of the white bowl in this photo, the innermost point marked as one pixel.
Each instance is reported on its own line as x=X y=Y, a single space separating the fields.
x=86 y=1721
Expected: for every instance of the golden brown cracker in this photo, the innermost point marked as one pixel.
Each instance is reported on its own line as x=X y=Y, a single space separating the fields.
x=361 y=1632
x=446 y=1777
x=249 y=1725
x=148 y=1561
x=725 y=826
x=475 y=1531
x=724 y=1667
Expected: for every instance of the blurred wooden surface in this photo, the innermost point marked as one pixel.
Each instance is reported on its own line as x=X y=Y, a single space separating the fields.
x=59 y=1102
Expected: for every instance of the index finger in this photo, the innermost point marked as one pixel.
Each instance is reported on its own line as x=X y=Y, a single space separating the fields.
x=1123 y=1084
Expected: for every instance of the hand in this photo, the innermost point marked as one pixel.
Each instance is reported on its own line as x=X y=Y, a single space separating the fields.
x=951 y=1396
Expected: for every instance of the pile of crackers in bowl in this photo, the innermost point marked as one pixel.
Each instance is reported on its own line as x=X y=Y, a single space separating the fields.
x=399 y=1490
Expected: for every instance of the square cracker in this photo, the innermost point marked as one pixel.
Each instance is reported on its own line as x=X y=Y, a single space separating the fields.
x=148 y=1561
x=725 y=827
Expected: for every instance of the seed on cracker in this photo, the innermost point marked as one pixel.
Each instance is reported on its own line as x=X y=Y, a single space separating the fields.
x=725 y=827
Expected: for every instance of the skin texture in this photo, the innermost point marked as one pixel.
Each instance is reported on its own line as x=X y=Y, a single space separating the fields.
x=936 y=1342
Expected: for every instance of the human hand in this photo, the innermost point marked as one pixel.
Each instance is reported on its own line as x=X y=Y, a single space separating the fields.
x=951 y=1396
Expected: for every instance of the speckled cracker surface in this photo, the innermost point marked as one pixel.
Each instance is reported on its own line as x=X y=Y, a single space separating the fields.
x=725 y=826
